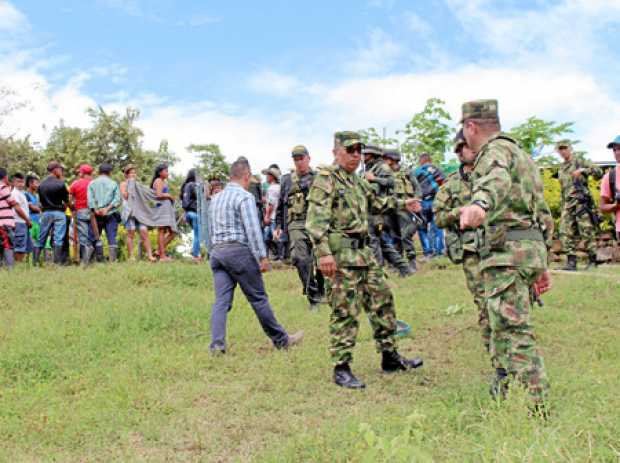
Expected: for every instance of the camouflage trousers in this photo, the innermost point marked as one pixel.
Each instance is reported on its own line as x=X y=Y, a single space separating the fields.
x=513 y=344
x=384 y=250
x=350 y=290
x=575 y=227
x=301 y=258
x=473 y=278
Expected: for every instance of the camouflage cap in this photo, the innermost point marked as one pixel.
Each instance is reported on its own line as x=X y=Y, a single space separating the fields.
x=459 y=141
x=371 y=149
x=563 y=144
x=392 y=154
x=348 y=138
x=300 y=150
x=480 y=109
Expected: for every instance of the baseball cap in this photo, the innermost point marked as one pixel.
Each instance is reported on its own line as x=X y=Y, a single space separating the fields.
x=616 y=141
x=86 y=169
x=54 y=165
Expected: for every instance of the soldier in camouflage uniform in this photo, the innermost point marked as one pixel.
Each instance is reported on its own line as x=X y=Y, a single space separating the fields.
x=382 y=181
x=461 y=244
x=514 y=228
x=402 y=225
x=291 y=219
x=337 y=223
x=578 y=220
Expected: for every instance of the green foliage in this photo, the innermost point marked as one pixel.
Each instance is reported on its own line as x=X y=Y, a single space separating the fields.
x=211 y=162
x=429 y=131
x=370 y=136
x=533 y=134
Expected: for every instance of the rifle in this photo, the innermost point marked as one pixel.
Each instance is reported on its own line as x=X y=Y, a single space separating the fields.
x=584 y=198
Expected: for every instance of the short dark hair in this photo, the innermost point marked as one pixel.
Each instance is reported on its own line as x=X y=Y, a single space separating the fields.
x=17 y=175
x=239 y=168
x=30 y=179
x=3 y=173
x=106 y=168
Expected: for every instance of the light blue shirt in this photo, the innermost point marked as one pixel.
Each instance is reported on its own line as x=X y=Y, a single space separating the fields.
x=233 y=217
x=103 y=192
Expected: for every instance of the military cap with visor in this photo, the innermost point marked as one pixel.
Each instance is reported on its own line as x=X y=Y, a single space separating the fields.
x=563 y=144
x=348 y=138
x=480 y=109
x=299 y=150
x=392 y=154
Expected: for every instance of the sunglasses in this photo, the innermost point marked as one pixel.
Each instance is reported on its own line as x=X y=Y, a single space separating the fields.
x=354 y=148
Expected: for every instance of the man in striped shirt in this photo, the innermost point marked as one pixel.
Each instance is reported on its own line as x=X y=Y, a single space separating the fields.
x=238 y=256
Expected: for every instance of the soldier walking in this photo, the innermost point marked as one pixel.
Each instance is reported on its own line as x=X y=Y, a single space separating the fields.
x=382 y=181
x=578 y=220
x=291 y=220
x=337 y=223
x=507 y=197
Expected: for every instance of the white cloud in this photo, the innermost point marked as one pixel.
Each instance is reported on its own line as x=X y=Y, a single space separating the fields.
x=11 y=19
x=378 y=56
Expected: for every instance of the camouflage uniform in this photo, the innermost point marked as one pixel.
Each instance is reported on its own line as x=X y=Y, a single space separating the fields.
x=382 y=188
x=575 y=221
x=512 y=249
x=406 y=227
x=291 y=218
x=337 y=223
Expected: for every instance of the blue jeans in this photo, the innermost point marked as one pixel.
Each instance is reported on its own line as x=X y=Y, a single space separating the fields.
x=192 y=220
x=109 y=224
x=56 y=221
x=234 y=264
x=431 y=237
x=86 y=236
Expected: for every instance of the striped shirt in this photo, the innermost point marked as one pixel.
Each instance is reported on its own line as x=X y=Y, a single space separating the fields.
x=6 y=206
x=233 y=217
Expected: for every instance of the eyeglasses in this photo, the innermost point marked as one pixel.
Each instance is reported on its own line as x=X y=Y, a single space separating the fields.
x=354 y=148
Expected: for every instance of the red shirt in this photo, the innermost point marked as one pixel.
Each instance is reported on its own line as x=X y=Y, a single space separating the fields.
x=79 y=190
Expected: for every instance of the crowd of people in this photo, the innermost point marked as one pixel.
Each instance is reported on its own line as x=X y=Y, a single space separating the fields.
x=341 y=227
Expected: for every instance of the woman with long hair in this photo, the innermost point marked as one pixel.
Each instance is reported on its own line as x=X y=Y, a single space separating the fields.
x=189 y=200
x=159 y=185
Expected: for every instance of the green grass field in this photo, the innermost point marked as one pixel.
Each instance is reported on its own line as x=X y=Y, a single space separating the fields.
x=112 y=364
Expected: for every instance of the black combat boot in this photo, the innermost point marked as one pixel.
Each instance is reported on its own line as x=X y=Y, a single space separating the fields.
x=413 y=267
x=58 y=255
x=392 y=361
x=36 y=256
x=404 y=271
x=592 y=262
x=499 y=386
x=343 y=377
x=99 y=253
x=571 y=263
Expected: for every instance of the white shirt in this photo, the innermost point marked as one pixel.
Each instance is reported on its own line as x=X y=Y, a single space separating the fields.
x=273 y=198
x=20 y=198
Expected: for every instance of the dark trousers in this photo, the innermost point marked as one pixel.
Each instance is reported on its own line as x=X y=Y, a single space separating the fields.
x=234 y=264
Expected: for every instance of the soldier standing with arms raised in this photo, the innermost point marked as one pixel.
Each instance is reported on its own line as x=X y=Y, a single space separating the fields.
x=507 y=204
x=578 y=220
x=337 y=223
x=291 y=219
x=461 y=244
x=382 y=182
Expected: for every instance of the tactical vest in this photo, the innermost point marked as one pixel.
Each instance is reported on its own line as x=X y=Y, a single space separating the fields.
x=298 y=197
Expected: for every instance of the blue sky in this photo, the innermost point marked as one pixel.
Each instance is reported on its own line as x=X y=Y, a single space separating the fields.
x=260 y=77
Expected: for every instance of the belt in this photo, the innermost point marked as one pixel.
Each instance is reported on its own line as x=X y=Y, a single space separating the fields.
x=532 y=234
x=355 y=241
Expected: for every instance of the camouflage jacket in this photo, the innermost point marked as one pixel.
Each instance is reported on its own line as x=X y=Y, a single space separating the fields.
x=383 y=185
x=452 y=195
x=339 y=204
x=570 y=187
x=506 y=183
x=404 y=188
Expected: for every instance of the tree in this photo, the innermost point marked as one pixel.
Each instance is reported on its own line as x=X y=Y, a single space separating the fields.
x=534 y=134
x=211 y=162
x=21 y=155
x=371 y=136
x=428 y=132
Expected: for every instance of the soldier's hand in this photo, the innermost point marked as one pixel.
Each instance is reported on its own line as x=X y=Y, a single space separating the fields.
x=265 y=266
x=414 y=206
x=327 y=266
x=472 y=216
x=543 y=284
x=277 y=234
x=576 y=174
x=370 y=177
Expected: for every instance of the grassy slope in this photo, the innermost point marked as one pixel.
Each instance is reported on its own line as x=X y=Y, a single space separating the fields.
x=112 y=364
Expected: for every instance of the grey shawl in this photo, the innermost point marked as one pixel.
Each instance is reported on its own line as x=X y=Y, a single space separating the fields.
x=147 y=209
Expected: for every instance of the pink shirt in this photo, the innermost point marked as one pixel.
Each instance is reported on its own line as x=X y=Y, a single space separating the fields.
x=607 y=193
x=6 y=207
